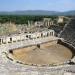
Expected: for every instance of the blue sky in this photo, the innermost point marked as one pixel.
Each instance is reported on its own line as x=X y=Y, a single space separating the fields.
x=51 y=5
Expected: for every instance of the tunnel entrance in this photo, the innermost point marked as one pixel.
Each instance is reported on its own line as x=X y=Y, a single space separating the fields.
x=10 y=51
x=38 y=45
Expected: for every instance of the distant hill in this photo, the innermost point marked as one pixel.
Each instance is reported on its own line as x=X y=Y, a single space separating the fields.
x=39 y=12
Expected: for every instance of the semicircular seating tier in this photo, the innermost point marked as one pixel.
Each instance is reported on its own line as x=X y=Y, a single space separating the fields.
x=68 y=33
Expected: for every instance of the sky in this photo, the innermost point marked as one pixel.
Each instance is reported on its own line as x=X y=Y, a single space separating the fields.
x=50 y=5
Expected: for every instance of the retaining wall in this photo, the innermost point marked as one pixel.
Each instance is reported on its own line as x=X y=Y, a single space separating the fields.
x=25 y=43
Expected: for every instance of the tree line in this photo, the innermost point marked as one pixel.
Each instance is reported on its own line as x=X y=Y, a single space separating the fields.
x=22 y=19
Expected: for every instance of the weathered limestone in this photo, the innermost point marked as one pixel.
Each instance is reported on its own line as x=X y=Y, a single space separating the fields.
x=21 y=37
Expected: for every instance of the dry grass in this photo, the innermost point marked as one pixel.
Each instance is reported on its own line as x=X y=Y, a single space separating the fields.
x=7 y=28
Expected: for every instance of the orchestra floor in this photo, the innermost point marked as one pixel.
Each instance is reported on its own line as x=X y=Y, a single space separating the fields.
x=53 y=54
